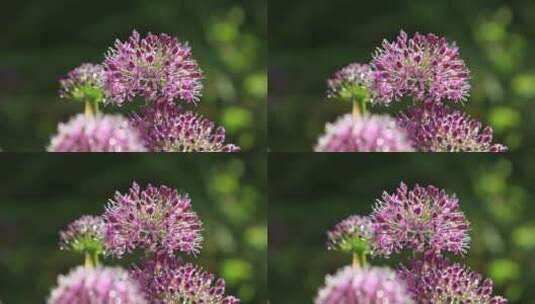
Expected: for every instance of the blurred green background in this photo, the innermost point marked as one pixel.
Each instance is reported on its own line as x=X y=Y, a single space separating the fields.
x=309 y=40
x=309 y=195
x=41 y=194
x=43 y=40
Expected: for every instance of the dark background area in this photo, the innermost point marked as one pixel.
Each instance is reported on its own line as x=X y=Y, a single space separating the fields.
x=41 y=194
x=43 y=40
x=310 y=40
x=309 y=195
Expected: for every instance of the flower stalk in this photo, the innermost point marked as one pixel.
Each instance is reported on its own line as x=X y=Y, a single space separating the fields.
x=88 y=261
x=91 y=107
x=359 y=106
x=91 y=260
x=356 y=111
x=356 y=263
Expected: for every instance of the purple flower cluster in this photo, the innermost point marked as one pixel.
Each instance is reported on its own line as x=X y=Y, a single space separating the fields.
x=424 y=66
x=366 y=134
x=96 y=286
x=427 y=69
x=157 y=66
x=107 y=133
x=421 y=219
x=84 y=234
x=363 y=286
x=167 y=281
x=85 y=81
x=425 y=220
x=160 y=222
x=350 y=81
x=350 y=232
x=435 y=128
x=156 y=219
x=433 y=279
x=165 y=128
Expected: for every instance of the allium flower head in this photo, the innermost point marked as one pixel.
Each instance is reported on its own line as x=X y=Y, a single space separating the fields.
x=424 y=66
x=165 y=128
x=167 y=281
x=434 y=128
x=461 y=285
x=84 y=83
x=86 y=234
x=363 y=286
x=424 y=219
x=351 y=82
x=433 y=280
x=96 y=286
x=106 y=133
x=374 y=133
x=353 y=233
x=157 y=66
x=156 y=219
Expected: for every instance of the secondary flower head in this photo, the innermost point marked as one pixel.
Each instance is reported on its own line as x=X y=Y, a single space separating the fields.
x=352 y=234
x=157 y=66
x=165 y=128
x=363 y=286
x=434 y=128
x=96 y=286
x=156 y=219
x=434 y=280
x=424 y=219
x=167 y=281
x=86 y=234
x=107 y=133
x=459 y=284
x=424 y=66
x=350 y=83
x=374 y=133
x=84 y=83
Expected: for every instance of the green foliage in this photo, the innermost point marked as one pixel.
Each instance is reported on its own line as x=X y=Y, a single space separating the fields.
x=42 y=194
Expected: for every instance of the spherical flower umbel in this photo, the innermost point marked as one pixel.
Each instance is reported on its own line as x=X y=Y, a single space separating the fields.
x=167 y=281
x=459 y=284
x=424 y=219
x=417 y=274
x=435 y=128
x=363 y=286
x=96 y=286
x=434 y=280
x=106 y=133
x=374 y=133
x=351 y=82
x=84 y=83
x=353 y=233
x=156 y=219
x=85 y=234
x=424 y=66
x=157 y=66
x=165 y=128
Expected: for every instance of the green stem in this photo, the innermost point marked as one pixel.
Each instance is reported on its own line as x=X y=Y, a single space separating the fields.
x=96 y=260
x=88 y=261
x=362 y=105
x=356 y=263
x=356 y=110
x=91 y=107
x=88 y=110
x=91 y=260
x=359 y=107
x=363 y=261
